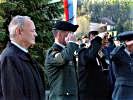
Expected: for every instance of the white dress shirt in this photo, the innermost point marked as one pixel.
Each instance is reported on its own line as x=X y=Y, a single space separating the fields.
x=20 y=47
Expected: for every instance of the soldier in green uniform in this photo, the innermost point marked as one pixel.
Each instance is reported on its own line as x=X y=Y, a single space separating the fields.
x=60 y=63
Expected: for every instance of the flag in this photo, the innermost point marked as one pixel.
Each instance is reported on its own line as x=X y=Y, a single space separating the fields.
x=70 y=11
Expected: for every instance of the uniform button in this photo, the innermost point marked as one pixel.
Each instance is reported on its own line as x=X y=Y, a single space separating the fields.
x=70 y=62
x=67 y=93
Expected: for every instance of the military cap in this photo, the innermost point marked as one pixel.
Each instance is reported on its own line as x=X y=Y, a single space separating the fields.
x=65 y=26
x=97 y=27
x=128 y=35
x=94 y=27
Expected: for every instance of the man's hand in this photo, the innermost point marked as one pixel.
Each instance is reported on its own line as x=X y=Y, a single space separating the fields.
x=102 y=35
x=70 y=38
x=129 y=42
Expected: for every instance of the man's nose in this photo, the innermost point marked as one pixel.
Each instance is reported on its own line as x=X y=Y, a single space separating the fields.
x=35 y=34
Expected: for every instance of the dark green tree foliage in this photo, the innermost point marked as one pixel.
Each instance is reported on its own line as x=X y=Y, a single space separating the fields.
x=42 y=13
x=117 y=11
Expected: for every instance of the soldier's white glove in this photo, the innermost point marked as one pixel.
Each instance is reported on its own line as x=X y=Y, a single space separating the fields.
x=102 y=34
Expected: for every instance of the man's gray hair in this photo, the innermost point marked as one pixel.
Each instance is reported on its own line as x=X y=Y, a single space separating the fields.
x=17 y=21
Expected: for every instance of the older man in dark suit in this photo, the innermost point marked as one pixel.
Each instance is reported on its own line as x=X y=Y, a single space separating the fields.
x=123 y=67
x=19 y=73
x=60 y=63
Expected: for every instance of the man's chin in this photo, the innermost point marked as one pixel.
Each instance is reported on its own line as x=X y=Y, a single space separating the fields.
x=32 y=44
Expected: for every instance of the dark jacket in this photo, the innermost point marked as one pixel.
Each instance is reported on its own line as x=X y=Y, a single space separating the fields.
x=19 y=75
x=61 y=72
x=123 y=71
x=92 y=81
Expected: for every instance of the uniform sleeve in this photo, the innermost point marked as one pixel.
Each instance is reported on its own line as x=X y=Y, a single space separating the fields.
x=11 y=80
x=92 y=51
x=56 y=58
x=114 y=55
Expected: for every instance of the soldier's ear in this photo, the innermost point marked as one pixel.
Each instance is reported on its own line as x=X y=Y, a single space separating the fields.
x=59 y=34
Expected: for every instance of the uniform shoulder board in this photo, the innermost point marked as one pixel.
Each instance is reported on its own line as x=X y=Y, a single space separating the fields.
x=55 y=49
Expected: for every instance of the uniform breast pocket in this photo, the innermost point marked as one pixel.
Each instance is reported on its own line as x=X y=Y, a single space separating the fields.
x=131 y=65
x=67 y=93
x=70 y=63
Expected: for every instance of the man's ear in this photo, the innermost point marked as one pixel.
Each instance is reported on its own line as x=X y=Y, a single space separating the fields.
x=18 y=31
x=58 y=34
